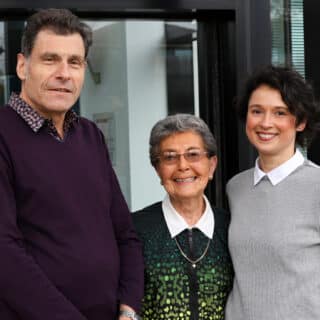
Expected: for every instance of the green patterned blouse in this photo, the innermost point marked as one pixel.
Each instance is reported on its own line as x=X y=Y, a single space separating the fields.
x=176 y=289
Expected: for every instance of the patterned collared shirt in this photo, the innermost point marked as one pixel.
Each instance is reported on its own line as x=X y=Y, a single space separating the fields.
x=35 y=121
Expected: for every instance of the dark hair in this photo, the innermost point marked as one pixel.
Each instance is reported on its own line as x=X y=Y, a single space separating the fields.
x=296 y=93
x=179 y=123
x=60 y=21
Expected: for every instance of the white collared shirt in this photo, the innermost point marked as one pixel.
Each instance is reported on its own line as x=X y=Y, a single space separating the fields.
x=176 y=224
x=281 y=172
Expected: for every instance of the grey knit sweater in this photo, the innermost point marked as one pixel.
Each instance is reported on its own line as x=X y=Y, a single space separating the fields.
x=274 y=240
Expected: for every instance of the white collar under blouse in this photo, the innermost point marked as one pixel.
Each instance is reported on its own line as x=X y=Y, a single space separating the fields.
x=176 y=224
x=279 y=173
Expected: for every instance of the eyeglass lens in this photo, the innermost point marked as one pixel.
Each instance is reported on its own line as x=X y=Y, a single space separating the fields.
x=190 y=156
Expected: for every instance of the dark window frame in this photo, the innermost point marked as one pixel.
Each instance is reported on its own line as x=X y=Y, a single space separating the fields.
x=218 y=69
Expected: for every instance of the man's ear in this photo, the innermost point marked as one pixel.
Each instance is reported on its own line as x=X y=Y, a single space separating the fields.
x=21 y=67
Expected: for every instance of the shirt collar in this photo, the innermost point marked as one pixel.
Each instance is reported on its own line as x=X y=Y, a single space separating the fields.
x=34 y=120
x=281 y=172
x=176 y=224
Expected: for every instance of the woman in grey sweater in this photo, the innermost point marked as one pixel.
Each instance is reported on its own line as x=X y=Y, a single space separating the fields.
x=274 y=235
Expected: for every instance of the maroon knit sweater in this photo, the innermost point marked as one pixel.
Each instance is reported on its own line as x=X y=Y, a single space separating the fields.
x=67 y=245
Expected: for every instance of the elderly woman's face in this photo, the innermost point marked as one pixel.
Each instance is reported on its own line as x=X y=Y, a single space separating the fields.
x=185 y=177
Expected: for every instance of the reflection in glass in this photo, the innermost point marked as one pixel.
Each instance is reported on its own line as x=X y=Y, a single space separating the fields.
x=288 y=33
x=146 y=70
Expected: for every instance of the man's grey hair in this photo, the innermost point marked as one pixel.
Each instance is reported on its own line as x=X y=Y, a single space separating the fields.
x=60 y=21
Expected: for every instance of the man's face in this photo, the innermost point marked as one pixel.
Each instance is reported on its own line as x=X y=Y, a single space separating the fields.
x=52 y=76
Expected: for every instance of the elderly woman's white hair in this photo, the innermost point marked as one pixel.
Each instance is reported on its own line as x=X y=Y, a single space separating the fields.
x=179 y=123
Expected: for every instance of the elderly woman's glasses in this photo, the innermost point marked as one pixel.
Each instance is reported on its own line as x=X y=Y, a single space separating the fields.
x=170 y=157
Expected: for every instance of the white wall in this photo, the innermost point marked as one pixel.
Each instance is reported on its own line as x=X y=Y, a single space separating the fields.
x=147 y=96
x=130 y=57
x=108 y=56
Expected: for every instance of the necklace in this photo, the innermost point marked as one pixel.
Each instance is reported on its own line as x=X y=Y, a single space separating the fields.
x=193 y=262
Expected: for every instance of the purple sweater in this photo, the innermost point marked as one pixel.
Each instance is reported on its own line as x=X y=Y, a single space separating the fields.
x=68 y=250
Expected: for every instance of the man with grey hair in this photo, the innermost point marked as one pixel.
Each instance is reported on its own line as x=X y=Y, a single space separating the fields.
x=68 y=249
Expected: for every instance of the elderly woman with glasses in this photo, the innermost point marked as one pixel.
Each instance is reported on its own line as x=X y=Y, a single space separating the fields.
x=188 y=271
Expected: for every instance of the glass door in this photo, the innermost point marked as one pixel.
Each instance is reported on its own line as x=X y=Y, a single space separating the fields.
x=139 y=72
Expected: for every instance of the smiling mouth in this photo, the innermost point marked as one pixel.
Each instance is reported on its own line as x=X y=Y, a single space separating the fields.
x=181 y=180
x=266 y=136
x=61 y=90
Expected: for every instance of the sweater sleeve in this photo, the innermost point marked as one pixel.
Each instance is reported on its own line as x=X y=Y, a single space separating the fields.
x=24 y=288
x=131 y=260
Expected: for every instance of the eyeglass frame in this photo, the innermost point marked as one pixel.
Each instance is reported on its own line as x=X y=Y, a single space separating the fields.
x=177 y=156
